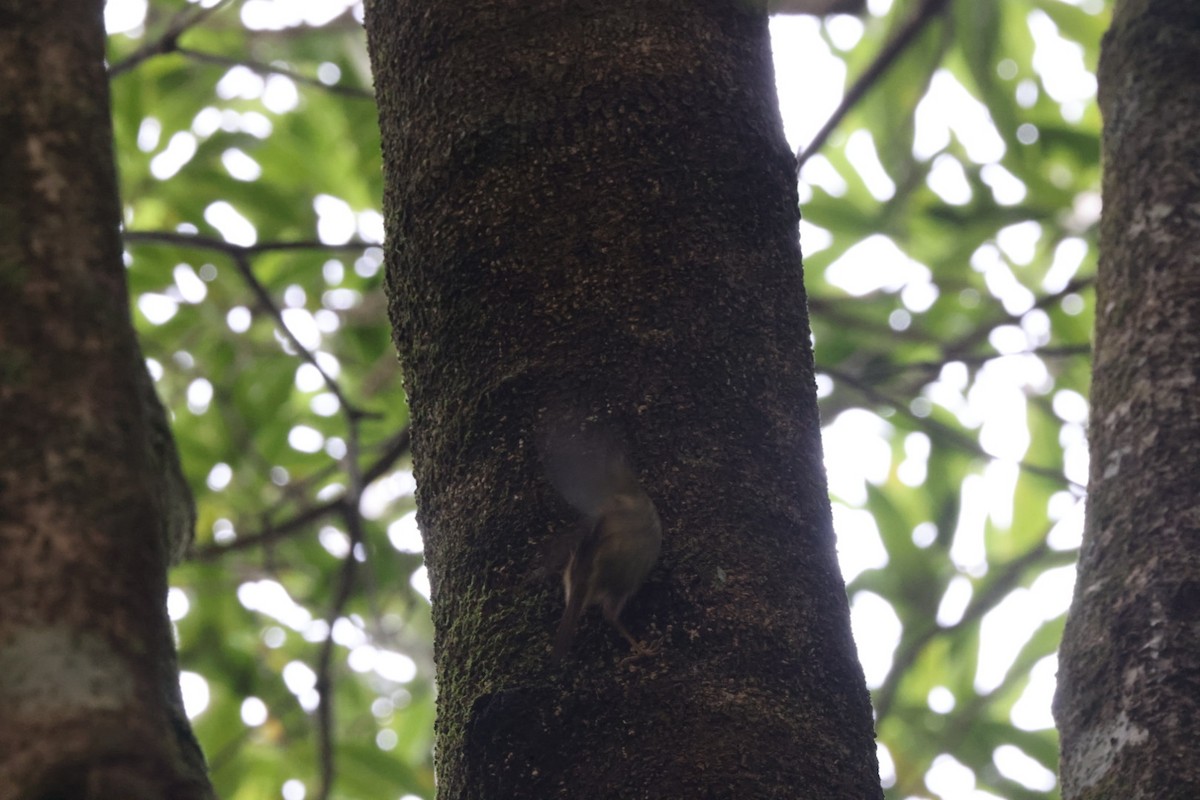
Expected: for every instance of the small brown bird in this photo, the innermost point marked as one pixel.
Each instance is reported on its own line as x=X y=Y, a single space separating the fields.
x=619 y=541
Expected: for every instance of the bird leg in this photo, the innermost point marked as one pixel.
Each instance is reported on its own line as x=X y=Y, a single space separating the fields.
x=639 y=650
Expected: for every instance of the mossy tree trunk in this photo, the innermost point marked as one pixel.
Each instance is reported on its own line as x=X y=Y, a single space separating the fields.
x=1128 y=703
x=591 y=206
x=92 y=504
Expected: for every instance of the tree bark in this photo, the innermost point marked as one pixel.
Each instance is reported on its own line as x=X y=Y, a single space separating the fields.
x=92 y=503
x=1129 y=678
x=591 y=207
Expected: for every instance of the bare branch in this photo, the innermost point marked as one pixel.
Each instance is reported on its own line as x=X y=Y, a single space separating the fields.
x=168 y=40
x=396 y=448
x=935 y=365
x=324 y=668
x=241 y=260
x=220 y=245
x=939 y=431
x=981 y=332
x=1007 y=579
x=263 y=68
x=352 y=516
x=898 y=44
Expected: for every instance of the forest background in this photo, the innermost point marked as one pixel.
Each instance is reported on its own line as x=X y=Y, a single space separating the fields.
x=949 y=241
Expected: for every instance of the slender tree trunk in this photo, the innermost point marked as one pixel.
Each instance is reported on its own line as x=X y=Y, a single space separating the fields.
x=1129 y=677
x=591 y=207
x=92 y=503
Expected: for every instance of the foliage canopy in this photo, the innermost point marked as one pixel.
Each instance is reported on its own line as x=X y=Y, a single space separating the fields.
x=949 y=244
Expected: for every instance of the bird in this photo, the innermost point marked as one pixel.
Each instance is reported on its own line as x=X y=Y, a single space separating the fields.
x=618 y=541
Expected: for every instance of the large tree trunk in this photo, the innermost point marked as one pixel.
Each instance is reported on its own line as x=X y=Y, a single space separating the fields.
x=1128 y=703
x=591 y=210
x=92 y=504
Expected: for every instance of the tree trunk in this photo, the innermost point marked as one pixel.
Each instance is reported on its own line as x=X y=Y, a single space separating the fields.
x=1129 y=678
x=92 y=503
x=592 y=211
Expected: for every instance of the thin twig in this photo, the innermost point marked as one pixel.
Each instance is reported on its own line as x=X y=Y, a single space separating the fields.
x=240 y=255
x=324 y=669
x=833 y=311
x=940 y=430
x=242 y=263
x=241 y=260
x=352 y=516
x=897 y=45
x=1005 y=581
x=168 y=41
x=935 y=365
x=263 y=68
x=348 y=505
x=981 y=332
x=211 y=243
x=395 y=449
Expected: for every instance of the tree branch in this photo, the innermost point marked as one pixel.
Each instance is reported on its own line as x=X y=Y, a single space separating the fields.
x=939 y=431
x=220 y=245
x=965 y=343
x=395 y=449
x=240 y=255
x=168 y=40
x=1005 y=581
x=352 y=515
x=935 y=365
x=262 y=68
x=903 y=38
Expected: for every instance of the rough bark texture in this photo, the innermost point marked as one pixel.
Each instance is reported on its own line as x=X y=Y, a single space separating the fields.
x=92 y=503
x=1129 y=679
x=591 y=205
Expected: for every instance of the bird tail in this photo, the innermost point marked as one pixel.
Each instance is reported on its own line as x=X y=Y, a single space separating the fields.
x=587 y=465
x=569 y=622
